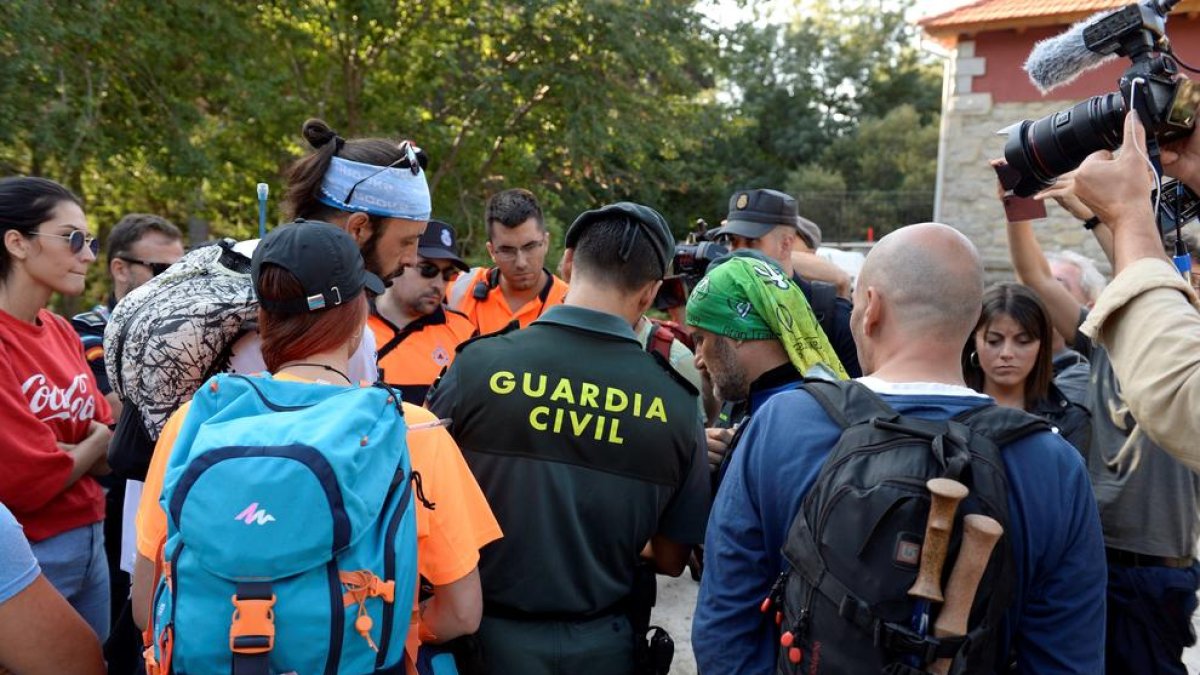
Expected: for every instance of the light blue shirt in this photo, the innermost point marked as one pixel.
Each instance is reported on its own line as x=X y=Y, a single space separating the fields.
x=18 y=568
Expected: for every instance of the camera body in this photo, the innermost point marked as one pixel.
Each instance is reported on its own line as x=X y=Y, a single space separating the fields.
x=1041 y=150
x=690 y=262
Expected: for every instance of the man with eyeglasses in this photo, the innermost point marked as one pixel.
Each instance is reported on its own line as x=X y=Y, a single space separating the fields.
x=519 y=288
x=416 y=333
x=140 y=247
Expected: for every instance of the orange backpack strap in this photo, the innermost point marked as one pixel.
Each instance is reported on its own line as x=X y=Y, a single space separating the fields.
x=252 y=630
x=161 y=665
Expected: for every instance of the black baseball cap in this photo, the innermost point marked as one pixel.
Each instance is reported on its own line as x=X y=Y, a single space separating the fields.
x=754 y=213
x=647 y=221
x=324 y=258
x=438 y=243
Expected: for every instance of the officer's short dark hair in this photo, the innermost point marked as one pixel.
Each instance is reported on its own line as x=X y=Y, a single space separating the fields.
x=130 y=229
x=598 y=255
x=512 y=207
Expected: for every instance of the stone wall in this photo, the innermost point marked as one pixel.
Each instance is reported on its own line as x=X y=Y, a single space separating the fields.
x=966 y=188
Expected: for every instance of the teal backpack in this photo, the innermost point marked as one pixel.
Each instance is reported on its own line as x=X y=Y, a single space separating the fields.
x=291 y=533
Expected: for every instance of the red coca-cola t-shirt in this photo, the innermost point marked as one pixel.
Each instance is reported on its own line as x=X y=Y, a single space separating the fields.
x=47 y=396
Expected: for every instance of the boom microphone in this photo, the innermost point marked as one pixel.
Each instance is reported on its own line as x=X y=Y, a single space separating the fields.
x=1060 y=59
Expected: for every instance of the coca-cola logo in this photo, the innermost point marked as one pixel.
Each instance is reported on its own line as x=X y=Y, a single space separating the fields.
x=49 y=402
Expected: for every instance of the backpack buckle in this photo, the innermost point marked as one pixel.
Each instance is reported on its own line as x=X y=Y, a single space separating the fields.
x=895 y=638
x=253 y=627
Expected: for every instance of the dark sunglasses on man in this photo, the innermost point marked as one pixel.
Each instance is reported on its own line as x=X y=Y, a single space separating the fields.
x=77 y=239
x=156 y=268
x=429 y=271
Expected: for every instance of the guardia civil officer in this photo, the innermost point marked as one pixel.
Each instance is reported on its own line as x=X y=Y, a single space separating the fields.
x=589 y=450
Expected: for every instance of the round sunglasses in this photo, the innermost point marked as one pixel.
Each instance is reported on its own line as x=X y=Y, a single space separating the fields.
x=77 y=240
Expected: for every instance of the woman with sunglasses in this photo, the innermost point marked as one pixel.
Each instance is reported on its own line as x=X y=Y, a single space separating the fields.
x=1008 y=358
x=53 y=419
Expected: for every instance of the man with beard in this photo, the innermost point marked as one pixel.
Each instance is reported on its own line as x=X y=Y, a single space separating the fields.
x=755 y=336
x=417 y=335
x=519 y=288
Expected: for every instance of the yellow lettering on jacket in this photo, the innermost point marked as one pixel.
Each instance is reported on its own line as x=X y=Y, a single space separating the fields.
x=533 y=417
x=528 y=388
x=610 y=400
x=562 y=392
x=502 y=382
x=580 y=409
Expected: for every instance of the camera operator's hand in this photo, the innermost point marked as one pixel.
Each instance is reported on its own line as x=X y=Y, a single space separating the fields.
x=1117 y=188
x=1072 y=204
x=1181 y=159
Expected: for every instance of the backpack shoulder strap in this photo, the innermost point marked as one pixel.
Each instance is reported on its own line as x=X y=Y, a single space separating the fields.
x=463 y=284
x=824 y=305
x=847 y=402
x=1002 y=425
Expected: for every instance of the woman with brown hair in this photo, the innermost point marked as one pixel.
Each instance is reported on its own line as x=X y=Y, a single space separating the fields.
x=309 y=336
x=1008 y=357
x=53 y=419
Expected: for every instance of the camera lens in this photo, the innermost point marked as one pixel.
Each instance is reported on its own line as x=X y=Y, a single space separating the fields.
x=1044 y=149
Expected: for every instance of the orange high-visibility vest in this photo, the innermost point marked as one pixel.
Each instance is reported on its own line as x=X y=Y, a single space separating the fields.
x=478 y=295
x=412 y=357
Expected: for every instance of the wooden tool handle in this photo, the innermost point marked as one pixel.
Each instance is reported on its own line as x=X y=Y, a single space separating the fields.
x=946 y=494
x=980 y=534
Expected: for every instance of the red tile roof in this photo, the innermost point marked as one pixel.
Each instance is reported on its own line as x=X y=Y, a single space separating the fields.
x=1001 y=14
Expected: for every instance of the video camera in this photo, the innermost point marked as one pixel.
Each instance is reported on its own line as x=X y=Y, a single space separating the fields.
x=690 y=262
x=1166 y=101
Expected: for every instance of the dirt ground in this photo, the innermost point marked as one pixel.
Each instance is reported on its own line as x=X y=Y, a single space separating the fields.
x=677 y=600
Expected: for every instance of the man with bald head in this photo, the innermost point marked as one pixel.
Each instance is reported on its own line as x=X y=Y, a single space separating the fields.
x=916 y=302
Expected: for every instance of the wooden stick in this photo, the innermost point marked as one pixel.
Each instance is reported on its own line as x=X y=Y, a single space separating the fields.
x=980 y=534
x=946 y=494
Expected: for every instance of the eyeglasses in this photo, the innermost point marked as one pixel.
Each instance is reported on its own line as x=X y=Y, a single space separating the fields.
x=429 y=271
x=511 y=252
x=156 y=268
x=77 y=239
x=408 y=154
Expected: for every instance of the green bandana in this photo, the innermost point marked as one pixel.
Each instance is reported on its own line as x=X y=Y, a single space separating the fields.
x=748 y=299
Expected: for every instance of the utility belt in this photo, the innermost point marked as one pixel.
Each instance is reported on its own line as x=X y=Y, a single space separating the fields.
x=499 y=611
x=1122 y=558
x=653 y=648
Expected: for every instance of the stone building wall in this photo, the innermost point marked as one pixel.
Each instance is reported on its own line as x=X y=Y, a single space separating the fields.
x=966 y=191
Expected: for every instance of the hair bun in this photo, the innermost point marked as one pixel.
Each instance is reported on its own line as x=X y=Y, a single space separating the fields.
x=318 y=133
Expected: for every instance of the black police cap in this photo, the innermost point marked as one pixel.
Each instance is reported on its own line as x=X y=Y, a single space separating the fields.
x=646 y=221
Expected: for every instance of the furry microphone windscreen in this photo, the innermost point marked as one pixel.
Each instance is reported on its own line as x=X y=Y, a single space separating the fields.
x=1060 y=59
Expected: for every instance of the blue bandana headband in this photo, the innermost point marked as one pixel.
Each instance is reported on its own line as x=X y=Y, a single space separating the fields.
x=390 y=192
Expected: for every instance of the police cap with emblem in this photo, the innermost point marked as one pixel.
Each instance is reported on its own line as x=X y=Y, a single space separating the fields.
x=439 y=243
x=643 y=225
x=754 y=213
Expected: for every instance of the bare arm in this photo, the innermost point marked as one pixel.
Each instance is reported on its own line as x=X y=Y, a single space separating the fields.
x=90 y=455
x=669 y=557
x=115 y=403
x=454 y=610
x=815 y=268
x=1032 y=270
x=142 y=590
x=40 y=634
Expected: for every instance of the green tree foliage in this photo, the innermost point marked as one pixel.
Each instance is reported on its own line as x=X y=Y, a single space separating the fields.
x=180 y=108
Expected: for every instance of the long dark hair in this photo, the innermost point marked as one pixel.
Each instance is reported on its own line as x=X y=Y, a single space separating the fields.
x=1026 y=309
x=25 y=203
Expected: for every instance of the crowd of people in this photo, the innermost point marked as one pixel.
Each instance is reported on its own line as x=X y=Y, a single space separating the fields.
x=907 y=471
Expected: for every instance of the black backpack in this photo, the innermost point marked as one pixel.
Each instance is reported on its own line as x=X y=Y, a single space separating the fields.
x=853 y=550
